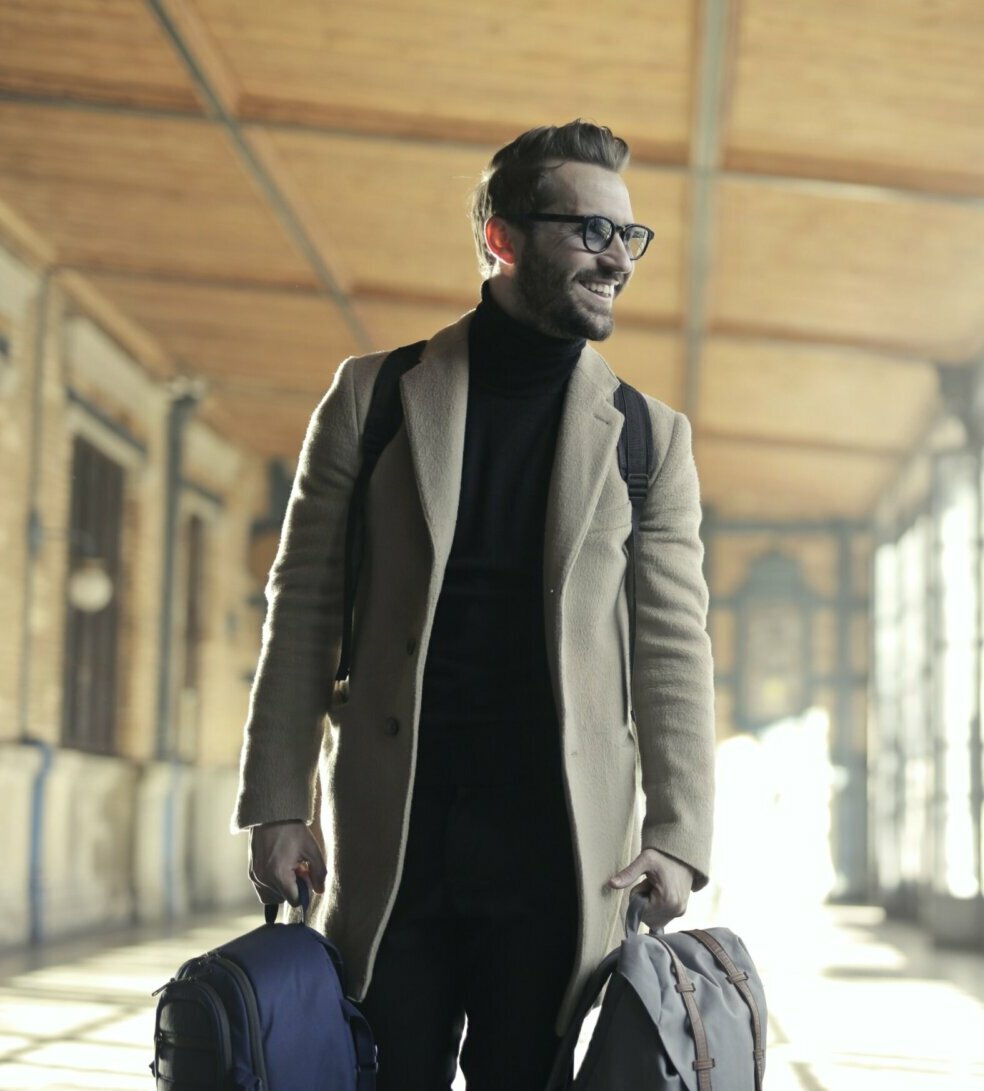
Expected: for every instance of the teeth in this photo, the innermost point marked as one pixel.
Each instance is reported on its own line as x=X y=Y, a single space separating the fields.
x=606 y=290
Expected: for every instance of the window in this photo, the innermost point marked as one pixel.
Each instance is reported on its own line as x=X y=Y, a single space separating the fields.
x=885 y=756
x=190 y=633
x=902 y=750
x=91 y=664
x=914 y=710
x=956 y=519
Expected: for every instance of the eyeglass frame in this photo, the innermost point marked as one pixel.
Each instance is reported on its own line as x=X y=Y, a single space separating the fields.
x=617 y=229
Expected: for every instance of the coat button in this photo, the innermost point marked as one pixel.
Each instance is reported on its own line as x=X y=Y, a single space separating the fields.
x=411 y=645
x=392 y=726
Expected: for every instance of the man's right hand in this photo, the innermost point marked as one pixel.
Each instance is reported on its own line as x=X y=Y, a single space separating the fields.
x=278 y=853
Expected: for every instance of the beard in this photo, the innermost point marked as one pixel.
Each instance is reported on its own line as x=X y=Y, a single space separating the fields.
x=549 y=297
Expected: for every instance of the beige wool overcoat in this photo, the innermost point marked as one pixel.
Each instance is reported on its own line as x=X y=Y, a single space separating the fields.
x=365 y=743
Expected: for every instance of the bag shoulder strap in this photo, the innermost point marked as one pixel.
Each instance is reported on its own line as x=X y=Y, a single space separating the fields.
x=636 y=458
x=704 y=1062
x=738 y=978
x=366 y=1054
x=385 y=407
x=636 y=462
x=382 y=423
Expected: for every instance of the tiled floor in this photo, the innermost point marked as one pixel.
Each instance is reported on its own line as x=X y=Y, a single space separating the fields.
x=860 y=1003
x=855 y=1002
x=85 y=1019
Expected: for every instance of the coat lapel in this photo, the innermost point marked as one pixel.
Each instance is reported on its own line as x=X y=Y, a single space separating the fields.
x=589 y=431
x=435 y=400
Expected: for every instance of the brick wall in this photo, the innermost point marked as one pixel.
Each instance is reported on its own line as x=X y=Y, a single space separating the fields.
x=62 y=376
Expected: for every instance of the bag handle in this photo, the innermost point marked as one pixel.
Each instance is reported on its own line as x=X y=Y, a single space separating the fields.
x=703 y=1063
x=633 y=916
x=270 y=910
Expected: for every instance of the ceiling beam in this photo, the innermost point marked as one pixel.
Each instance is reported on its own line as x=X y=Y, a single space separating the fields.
x=880 y=452
x=29 y=244
x=37 y=250
x=216 y=87
x=80 y=104
x=900 y=352
x=858 y=190
x=360 y=293
x=823 y=180
x=132 y=337
x=820 y=526
x=196 y=280
x=271 y=393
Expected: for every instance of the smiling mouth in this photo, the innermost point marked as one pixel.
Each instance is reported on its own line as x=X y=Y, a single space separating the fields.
x=602 y=289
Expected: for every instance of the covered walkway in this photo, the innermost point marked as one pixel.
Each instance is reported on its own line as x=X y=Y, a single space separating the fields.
x=857 y=1002
x=205 y=206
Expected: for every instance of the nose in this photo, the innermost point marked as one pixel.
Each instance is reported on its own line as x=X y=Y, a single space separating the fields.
x=616 y=256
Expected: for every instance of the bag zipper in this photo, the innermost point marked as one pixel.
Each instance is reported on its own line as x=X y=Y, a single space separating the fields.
x=199 y=992
x=252 y=1015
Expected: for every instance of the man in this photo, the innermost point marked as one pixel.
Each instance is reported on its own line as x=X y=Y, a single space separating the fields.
x=479 y=774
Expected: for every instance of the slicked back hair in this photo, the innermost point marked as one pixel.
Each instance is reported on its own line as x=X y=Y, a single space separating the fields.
x=512 y=184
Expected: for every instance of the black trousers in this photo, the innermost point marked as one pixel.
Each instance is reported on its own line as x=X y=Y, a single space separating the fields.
x=484 y=927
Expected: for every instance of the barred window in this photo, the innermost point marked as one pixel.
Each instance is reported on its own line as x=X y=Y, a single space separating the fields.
x=91 y=678
x=190 y=634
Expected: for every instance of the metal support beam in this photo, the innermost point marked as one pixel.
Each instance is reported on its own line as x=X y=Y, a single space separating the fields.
x=291 y=222
x=704 y=158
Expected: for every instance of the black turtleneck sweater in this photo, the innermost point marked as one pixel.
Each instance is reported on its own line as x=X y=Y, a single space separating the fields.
x=487 y=698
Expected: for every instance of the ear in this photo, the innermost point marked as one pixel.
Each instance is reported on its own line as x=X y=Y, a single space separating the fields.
x=500 y=239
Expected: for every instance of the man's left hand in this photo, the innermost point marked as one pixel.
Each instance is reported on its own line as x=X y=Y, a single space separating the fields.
x=666 y=883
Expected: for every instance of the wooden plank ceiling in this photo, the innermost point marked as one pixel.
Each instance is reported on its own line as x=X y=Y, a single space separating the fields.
x=259 y=190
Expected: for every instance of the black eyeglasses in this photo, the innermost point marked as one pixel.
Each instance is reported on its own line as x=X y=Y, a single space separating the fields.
x=599 y=231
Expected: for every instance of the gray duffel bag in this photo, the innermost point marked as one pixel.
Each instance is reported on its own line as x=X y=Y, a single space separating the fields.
x=684 y=1011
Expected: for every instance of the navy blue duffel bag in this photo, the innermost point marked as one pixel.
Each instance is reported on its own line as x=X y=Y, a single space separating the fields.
x=265 y=1012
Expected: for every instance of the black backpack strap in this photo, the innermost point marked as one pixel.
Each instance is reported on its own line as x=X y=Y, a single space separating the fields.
x=635 y=446
x=382 y=423
x=636 y=461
